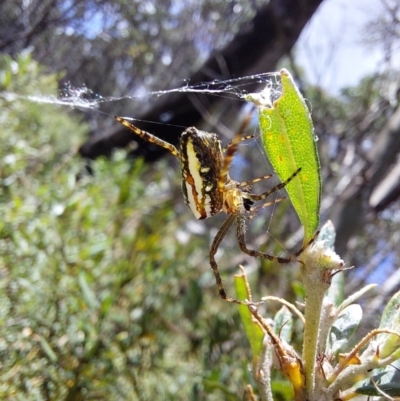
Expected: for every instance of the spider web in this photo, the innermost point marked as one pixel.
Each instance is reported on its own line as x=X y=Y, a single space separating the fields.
x=84 y=98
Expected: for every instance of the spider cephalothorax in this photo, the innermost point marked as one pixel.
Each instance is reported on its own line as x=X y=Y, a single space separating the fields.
x=208 y=189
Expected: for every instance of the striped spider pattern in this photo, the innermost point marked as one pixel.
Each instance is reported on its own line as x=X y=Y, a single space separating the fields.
x=208 y=189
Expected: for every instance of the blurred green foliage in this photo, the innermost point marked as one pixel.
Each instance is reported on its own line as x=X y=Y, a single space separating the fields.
x=100 y=297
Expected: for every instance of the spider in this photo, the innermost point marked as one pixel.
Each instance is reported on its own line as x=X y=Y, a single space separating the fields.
x=208 y=188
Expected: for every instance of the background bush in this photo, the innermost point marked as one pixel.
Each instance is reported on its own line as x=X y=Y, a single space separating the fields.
x=106 y=291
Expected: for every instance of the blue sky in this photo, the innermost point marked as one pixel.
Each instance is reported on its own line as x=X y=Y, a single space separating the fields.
x=331 y=48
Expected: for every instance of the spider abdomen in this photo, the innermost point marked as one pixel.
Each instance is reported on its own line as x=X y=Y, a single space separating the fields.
x=201 y=163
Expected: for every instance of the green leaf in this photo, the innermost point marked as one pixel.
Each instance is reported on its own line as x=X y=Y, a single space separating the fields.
x=254 y=332
x=283 y=324
x=390 y=343
x=288 y=137
x=327 y=234
x=336 y=290
x=385 y=380
x=280 y=388
x=344 y=327
x=48 y=350
x=390 y=389
x=88 y=295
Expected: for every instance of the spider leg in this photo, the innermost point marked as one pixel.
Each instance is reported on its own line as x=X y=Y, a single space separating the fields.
x=243 y=138
x=148 y=137
x=230 y=152
x=254 y=209
x=253 y=181
x=240 y=231
x=231 y=149
x=239 y=137
x=264 y=195
x=213 y=250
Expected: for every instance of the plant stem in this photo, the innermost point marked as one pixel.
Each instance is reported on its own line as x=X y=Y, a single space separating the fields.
x=315 y=292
